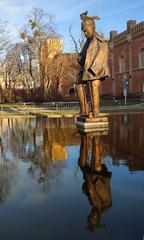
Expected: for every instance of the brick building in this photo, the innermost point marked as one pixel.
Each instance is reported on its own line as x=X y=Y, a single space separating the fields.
x=127 y=60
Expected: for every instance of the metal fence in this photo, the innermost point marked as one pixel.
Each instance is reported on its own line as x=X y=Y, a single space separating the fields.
x=60 y=105
x=104 y=105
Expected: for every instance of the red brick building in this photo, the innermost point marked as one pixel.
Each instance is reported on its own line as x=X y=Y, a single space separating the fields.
x=126 y=61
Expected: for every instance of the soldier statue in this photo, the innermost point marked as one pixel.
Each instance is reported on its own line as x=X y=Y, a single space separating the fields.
x=93 y=61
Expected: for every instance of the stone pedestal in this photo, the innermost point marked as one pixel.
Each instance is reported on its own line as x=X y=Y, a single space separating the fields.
x=98 y=124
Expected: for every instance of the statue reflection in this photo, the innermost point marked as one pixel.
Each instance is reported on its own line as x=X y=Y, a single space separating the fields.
x=96 y=184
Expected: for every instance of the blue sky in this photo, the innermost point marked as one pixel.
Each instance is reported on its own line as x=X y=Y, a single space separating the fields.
x=113 y=13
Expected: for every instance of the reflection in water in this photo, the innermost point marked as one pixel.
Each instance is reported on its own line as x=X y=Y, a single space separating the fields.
x=7 y=171
x=96 y=178
x=126 y=140
x=38 y=158
x=40 y=144
x=55 y=140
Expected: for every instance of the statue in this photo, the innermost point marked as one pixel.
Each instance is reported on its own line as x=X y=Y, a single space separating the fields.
x=93 y=61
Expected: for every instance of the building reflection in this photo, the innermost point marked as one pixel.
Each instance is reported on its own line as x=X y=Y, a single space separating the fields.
x=96 y=177
x=57 y=135
x=126 y=140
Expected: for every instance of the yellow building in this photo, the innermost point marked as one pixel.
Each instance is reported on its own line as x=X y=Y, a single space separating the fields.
x=50 y=48
x=59 y=70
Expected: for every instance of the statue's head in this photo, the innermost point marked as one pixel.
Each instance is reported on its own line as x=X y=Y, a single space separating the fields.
x=88 y=24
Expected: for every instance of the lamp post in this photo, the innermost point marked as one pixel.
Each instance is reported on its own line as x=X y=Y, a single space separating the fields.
x=125 y=87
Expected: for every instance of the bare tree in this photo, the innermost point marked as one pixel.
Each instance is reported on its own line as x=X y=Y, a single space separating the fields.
x=4 y=36
x=78 y=43
x=4 y=43
x=39 y=26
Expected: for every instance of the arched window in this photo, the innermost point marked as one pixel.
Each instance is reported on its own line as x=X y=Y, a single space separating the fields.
x=122 y=64
x=142 y=57
x=72 y=91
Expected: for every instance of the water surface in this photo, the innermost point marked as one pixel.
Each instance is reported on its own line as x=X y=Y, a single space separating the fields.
x=58 y=184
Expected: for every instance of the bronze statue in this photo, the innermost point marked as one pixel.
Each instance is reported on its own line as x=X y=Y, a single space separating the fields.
x=93 y=61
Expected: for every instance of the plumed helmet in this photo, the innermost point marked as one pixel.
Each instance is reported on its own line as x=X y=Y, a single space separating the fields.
x=87 y=20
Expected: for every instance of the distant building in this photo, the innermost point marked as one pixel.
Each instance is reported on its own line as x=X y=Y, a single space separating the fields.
x=127 y=60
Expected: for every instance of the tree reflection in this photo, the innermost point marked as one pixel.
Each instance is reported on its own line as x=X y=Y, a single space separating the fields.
x=96 y=177
x=7 y=173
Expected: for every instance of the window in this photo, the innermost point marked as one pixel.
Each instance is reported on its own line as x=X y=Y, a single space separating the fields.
x=142 y=86
x=122 y=64
x=72 y=91
x=142 y=58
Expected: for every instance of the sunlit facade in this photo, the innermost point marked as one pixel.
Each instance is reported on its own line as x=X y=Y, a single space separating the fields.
x=126 y=60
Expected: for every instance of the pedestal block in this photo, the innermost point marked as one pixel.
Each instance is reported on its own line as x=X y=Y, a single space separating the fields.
x=93 y=124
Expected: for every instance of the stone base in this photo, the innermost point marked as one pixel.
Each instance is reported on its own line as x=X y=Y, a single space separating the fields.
x=93 y=133
x=98 y=124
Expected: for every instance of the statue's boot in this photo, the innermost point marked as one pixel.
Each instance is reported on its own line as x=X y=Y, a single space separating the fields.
x=95 y=97
x=81 y=91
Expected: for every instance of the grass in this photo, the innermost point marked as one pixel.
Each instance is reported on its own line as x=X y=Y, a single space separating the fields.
x=15 y=115
x=37 y=114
